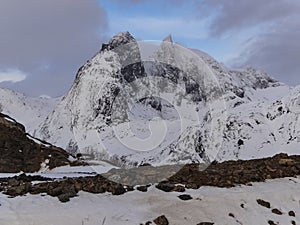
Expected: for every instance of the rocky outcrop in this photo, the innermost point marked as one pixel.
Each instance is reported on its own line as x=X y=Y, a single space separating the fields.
x=62 y=189
x=227 y=174
x=19 y=152
x=232 y=173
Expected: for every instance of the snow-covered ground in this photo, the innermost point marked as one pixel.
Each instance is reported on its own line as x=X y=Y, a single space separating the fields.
x=95 y=167
x=209 y=204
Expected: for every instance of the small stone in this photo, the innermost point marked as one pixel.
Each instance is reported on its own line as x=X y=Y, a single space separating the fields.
x=276 y=211
x=142 y=188
x=292 y=213
x=263 y=203
x=167 y=187
x=231 y=215
x=271 y=222
x=185 y=197
x=161 y=220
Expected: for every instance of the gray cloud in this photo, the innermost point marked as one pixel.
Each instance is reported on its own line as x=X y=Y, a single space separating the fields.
x=276 y=48
x=244 y=13
x=48 y=40
x=278 y=52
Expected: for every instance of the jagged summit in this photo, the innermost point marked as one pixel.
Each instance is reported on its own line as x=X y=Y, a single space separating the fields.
x=119 y=39
x=168 y=39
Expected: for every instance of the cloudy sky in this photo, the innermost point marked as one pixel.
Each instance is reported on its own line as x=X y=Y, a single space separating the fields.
x=43 y=43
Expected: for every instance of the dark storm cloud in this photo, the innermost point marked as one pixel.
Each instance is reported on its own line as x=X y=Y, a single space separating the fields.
x=276 y=48
x=48 y=40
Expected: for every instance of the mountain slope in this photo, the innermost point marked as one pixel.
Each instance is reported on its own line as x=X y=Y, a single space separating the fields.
x=179 y=106
x=21 y=152
x=27 y=110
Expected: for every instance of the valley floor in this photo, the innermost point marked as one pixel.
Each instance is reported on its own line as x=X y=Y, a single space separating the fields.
x=222 y=206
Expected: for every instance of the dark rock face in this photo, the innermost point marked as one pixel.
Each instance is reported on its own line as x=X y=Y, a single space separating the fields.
x=132 y=68
x=133 y=71
x=127 y=48
x=105 y=105
x=120 y=39
x=20 y=153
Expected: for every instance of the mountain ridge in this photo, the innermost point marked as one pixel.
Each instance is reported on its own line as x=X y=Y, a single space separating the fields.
x=85 y=119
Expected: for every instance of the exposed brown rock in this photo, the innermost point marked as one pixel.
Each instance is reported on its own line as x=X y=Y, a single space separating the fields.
x=276 y=211
x=286 y=162
x=179 y=188
x=161 y=220
x=18 y=152
x=264 y=203
x=167 y=187
x=62 y=189
x=232 y=173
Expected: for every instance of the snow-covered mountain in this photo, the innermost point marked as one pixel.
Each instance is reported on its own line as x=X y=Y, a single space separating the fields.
x=30 y=111
x=173 y=105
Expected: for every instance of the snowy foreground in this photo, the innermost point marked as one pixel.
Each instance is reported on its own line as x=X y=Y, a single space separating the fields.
x=209 y=204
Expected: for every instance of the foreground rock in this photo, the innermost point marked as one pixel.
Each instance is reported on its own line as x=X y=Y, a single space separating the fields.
x=161 y=220
x=232 y=173
x=225 y=174
x=62 y=189
x=19 y=151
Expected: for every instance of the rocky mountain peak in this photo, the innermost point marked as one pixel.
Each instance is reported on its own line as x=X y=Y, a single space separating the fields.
x=86 y=118
x=118 y=40
x=168 y=39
